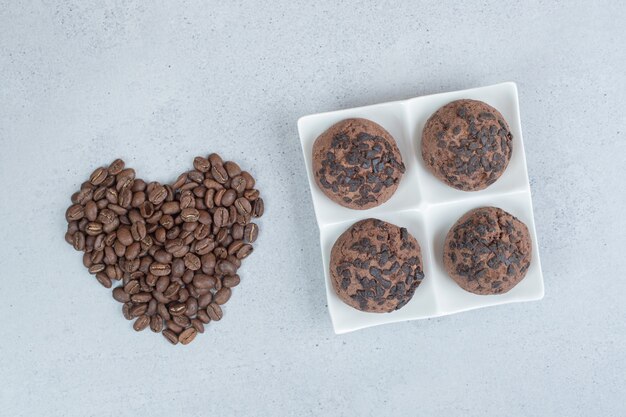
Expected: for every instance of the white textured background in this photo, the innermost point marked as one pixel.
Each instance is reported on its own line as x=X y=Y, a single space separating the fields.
x=157 y=83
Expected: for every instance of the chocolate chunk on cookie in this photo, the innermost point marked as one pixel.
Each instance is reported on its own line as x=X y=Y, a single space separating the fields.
x=467 y=144
x=376 y=266
x=357 y=164
x=487 y=251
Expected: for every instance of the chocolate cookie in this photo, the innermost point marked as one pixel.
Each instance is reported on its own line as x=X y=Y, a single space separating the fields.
x=376 y=266
x=487 y=251
x=357 y=164
x=467 y=144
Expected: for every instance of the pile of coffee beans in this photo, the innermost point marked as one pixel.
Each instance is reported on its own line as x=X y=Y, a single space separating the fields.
x=175 y=248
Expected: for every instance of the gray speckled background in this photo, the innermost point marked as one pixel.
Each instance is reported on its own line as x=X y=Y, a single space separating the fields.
x=82 y=82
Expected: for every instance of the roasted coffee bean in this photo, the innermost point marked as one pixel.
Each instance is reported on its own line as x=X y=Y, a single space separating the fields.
x=171 y=207
x=214 y=311
x=228 y=198
x=142 y=297
x=197 y=324
x=204 y=281
x=205 y=299
x=116 y=167
x=192 y=307
x=156 y=323
x=203 y=316
x=95 y=268
x=251 y=232
x=244 y=251
x=220 y=217
x=138 y=199
x=132 y=287
x=201 y=164
x=231 y=281
x=177 y=309
x=152 y=307
x=141 y=323
x=190 y=215
x=243 y=206
x=160 y=269
x=182 y=321
x=183 y=294
x=157 y=195
x=126 y=311
x=138 y=231
x=170 y=336
x=192 y=262
x=258 y=208
x=103 y=279
x=120 y=295
x=238 y=184
x=98 y=176
x=249 y=180
x=226 y=268
x=187 y=336
x=133 y=251
x=172 y=290
x=222 y=296
x=138 y=310
x=173 y=326
x=219 y=173
x=163 y=312
x=180 y=181
x=251 y=195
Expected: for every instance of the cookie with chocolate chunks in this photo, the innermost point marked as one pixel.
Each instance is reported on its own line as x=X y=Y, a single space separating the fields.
x=467 y=144
x=376 y=266
x=487 y=251
x=357 y=164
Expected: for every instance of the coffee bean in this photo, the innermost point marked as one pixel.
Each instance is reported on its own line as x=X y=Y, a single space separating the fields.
x=156 y=323
x=205 y=299
x=160 y=269
x=183 y=321
x=251 y=232
x=203 y=316
x=116 y=167
x=157 y=195
x=173 y=326
x=228 y=198
x=220 y=217
x=120 y=295
x=94 y=269
x=138 y=231
x=98 y=176
x=190 y=215
x=203 y=281
x=231 y=281
x=197 y=324
x=75 y=213
x=103 y=279
x=238 y=184
x=259 y=208
x=219 y=173
x=192 y=262
x=251 y=195
x=172 y=290
x=163 y=312
x=141 y=323
x=192 y=307
x=215 y=159
x=170 y=336
x=226 y=268
x=201 y=164
x=222 y=296
x=152 y=307
x=214 y=311
x=180 y=181
x=188 y=335
x=142 y=297
x=243 y=206
x=126 y=311
x=138 y=310
x=249 y=180
x=244 y=251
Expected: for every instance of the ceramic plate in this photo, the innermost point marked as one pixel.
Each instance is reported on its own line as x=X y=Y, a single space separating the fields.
x=426 y=206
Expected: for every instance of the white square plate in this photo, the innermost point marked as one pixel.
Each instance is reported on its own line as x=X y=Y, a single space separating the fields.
x=426 y=206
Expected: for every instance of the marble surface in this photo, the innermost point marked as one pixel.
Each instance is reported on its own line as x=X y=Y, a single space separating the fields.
x=82 y=82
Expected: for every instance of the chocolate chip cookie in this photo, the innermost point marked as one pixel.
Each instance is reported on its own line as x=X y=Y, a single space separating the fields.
x=376 y=266
x=357 y=164
x=467 y=144
x=487 y=251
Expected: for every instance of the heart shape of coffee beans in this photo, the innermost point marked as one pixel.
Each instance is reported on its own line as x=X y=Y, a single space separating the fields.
x=175 y=248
